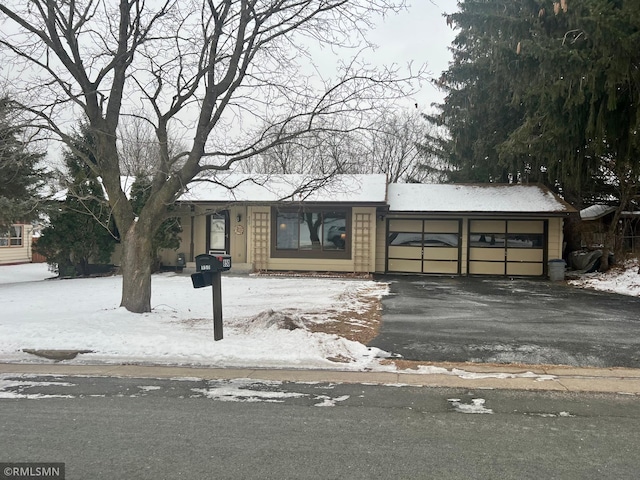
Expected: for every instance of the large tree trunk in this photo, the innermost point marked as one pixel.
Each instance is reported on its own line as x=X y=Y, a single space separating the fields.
x=136 y=270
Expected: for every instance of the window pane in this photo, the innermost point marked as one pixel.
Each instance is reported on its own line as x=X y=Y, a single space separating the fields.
x=335 y=231
x=287 y=231
x=441 y=239
x=525 y=241
x=404 y=239
x=310 y=231
x=490 y=240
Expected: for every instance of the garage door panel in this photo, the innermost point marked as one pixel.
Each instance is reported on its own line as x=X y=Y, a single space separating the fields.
x=533 y=226
x=405 y=225
x=525 y=255
x=525 y=269
x=492 y=254
x=487 y=226
x=405 y=252
x=410 y=266
x=486 y=268
x=440 y=253
x=444 y=267
x=441 y=226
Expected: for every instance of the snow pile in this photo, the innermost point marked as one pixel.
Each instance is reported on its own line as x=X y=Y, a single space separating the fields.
x=262 y=319
x=476 y=406
x=622 y=279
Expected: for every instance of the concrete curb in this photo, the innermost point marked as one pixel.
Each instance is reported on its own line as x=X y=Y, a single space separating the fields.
x=472 y=376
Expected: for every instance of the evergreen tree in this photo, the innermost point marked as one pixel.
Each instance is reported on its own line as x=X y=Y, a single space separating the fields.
x=80 y=232
x=544 y=91
x=21 y=180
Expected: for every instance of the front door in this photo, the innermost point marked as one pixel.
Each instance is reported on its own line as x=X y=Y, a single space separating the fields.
x=218 y=232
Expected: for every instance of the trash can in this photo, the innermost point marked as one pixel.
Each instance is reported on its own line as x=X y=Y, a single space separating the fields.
x=556 y=269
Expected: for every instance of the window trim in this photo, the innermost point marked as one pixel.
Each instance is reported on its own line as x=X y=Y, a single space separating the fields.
x=311 y=254
x=9 y=237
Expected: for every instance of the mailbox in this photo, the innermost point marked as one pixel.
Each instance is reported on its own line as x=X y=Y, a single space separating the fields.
x=206 y=266
x=213 y=263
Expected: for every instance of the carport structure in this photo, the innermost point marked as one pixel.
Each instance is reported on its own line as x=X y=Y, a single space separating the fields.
x=508 y=230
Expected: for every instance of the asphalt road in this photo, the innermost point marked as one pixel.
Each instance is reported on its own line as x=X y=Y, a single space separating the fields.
x=110 y=428
x=496 y=320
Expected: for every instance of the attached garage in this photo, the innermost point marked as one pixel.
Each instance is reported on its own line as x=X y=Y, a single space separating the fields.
x=424 y=245
x=507 y=230
x=507 y=247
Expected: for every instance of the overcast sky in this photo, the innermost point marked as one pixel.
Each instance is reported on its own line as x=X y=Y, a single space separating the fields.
x=420 y=35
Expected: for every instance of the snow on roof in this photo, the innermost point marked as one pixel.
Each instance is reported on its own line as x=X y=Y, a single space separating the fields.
x=232 y=187
x=490 y=198
x=596 y=211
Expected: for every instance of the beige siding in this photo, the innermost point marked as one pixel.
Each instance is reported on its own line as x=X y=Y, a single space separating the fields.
x=556 y=239
x=238 y=234
x=18 y=254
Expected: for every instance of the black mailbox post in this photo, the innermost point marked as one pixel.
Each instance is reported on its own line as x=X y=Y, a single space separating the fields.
x=209 y=270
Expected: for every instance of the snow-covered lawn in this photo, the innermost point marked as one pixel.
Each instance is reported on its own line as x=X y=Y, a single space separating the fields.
x=268 y=321
x=622 y=279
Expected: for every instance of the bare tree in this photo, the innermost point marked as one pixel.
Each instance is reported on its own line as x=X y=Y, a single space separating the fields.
x=387 y=144
x=229 y=74
x=138 y=147
x=392 y=148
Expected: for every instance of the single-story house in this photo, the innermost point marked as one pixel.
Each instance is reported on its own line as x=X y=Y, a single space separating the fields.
x=15 y=244
x=358 y=223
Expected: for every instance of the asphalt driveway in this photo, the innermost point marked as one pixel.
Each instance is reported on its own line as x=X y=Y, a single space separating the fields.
x=494 y=320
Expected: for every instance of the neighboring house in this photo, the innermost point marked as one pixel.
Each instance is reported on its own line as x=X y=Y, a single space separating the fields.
x=596 y=220
x=356 y=223
x=15 y=244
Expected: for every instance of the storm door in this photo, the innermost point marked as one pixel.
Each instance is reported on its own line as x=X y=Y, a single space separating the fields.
x=218 y=232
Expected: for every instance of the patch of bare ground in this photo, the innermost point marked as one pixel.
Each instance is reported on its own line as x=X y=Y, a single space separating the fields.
x=360 y=326
x=294 y=274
